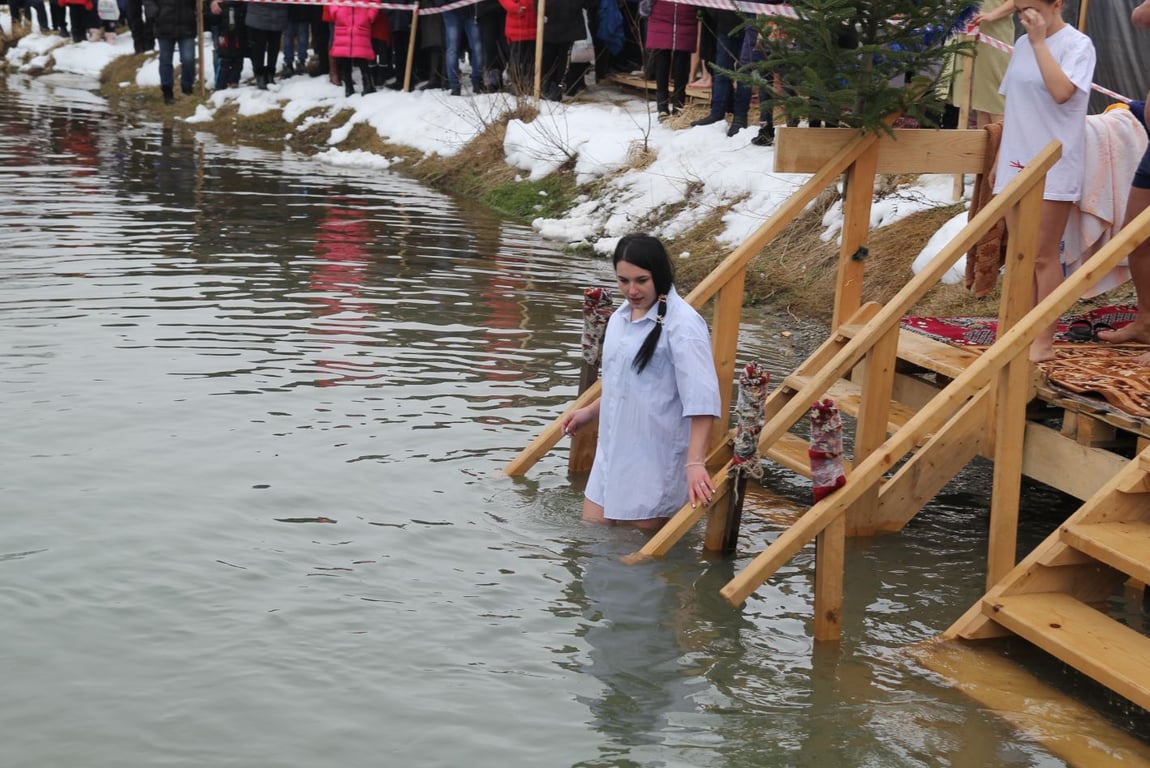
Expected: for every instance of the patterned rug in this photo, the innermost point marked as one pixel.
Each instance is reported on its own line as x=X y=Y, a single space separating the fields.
x=1084 y=366
x=982 y=331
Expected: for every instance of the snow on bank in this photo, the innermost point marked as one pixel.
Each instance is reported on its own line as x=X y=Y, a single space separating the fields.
x=648 y=170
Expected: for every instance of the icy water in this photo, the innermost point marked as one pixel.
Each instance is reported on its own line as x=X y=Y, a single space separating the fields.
x=254 y=413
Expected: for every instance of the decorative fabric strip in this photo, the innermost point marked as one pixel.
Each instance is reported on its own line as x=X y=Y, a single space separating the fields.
x=749 y=420
x=596 y=312
x=826 y=449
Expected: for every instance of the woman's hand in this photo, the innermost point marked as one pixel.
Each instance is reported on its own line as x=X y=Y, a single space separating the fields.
x=1034 y=24
x=699 y=486
x=577 y=419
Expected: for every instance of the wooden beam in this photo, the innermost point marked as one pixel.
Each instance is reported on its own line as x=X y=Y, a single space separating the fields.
x=872 y=423
x=912 y=150
x=1062 y=463
x=933 y=465
x=857 y=196
x=1010 y=428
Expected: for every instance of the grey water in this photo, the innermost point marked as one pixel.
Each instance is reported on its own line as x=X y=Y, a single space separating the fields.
x=254 y=410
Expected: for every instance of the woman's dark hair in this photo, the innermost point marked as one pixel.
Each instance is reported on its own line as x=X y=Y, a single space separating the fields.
x=646 y=252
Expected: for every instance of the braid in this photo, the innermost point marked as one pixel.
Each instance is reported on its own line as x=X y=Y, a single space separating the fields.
x=647 y=351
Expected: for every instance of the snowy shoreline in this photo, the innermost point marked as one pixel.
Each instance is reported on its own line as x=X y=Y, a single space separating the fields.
x=690 y=174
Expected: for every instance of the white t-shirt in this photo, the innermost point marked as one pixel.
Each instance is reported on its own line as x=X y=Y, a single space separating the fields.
x=1033 y=118
x=645 y=418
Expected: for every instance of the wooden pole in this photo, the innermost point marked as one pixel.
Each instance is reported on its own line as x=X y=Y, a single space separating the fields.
x=1082 y=15
x=540 y=18
x=964 y=88
x=200 y=53
x=411 y=44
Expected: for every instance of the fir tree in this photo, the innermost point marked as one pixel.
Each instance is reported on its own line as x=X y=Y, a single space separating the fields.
x=859 y=62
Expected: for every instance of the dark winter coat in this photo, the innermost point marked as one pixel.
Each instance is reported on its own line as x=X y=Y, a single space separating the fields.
x=564 y=22
x=270 y=17
x=229 y=31
x=672 y=26
x=173 y=19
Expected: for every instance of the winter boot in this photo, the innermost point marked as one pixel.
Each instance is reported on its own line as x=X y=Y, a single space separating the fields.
x=765 y=137
x=710 y=119
x=169 y=98
x=737 y=124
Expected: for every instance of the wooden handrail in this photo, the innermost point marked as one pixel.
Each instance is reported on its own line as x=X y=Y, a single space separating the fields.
x=729 y=268
x=970 y=383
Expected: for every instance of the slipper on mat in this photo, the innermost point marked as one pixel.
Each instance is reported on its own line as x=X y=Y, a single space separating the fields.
x=1080 y=331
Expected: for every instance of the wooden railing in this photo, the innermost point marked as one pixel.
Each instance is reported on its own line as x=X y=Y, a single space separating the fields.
x=1000 y=377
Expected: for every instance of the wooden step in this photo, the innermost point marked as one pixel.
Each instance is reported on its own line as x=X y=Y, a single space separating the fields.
x=1124 y=545
x=848 y=397
x=1088 y=640
x=925 y=352
x=791 y=452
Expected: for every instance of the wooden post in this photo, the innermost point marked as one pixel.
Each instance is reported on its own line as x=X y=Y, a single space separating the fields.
x=1082 y=15
x=859 y=189
x=540 y=18
x=583 y=442
x=200 y=53
x=411 y=45
x=1013 y=390
x=724 y=344
x=830 y=561
x=872 y=423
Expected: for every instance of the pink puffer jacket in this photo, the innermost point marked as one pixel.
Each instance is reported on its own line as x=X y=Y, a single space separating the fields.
x=352 y=36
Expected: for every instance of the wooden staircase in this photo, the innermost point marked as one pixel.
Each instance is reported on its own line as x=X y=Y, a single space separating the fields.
x=1049 y=598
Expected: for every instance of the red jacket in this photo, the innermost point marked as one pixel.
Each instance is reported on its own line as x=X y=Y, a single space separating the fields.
x=351 y=38
x=521 y=20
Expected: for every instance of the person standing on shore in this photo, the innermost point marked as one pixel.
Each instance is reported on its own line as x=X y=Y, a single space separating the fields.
x=1139 y=200
x=174 y=22
x=1047 y=89
x=660 y=398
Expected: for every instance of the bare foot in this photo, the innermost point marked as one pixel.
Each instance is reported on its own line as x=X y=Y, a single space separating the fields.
x=1042 y=350
x=1143 y=359
x=1135 y=331
x=702 y=82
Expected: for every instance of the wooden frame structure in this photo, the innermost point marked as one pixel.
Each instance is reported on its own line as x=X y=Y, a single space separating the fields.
x=975 y=404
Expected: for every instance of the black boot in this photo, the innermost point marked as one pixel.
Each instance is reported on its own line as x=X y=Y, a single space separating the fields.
x=169 y=98
x=262 y=81
x=368 y=80
x=765 y=136
x=737 y=124
x=710 y=119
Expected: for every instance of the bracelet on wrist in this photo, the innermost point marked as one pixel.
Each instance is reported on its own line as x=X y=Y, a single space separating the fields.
x=696 y=463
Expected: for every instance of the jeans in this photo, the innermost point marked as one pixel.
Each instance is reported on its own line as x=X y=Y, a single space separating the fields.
x=727 y=47
x=187 y=62
x=295 y=42
x=455 y=24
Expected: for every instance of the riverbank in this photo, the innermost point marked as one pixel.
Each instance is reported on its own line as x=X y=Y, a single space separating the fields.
x=583 y=172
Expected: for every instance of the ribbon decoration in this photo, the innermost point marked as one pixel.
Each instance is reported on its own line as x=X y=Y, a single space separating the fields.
x=596 y=312
x=826 y=451
x=749 y=420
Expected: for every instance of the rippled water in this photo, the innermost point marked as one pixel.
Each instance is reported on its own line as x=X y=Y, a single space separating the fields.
x=254 y=411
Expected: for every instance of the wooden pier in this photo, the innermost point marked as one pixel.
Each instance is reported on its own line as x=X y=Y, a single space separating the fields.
x=924 y=409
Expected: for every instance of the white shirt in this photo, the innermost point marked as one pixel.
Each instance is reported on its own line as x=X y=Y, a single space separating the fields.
x=645 y=418
x=1033 y=118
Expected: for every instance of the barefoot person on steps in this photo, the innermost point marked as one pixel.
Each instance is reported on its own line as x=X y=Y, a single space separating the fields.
x=1139 y=199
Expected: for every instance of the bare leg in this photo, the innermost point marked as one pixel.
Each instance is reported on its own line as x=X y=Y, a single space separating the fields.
x=1048 y=269
x=1139 y=329
x=648 y=526
x=593 y=513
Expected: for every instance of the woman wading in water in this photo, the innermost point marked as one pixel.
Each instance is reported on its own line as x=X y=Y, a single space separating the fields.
x=660 y=398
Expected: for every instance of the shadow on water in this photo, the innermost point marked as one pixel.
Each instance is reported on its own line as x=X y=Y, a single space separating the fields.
x=209 y=348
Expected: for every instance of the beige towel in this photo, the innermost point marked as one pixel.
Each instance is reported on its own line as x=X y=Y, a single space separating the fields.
x=1115 y=142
